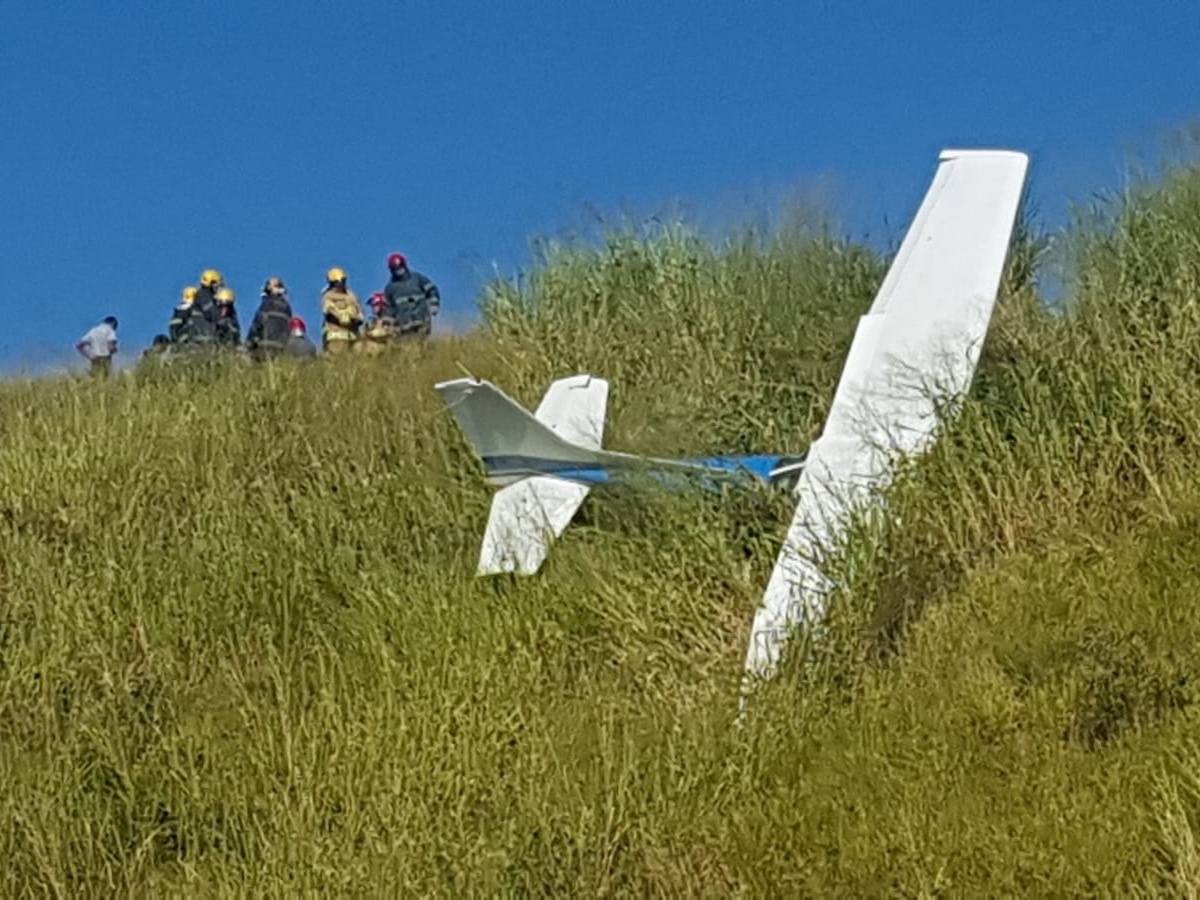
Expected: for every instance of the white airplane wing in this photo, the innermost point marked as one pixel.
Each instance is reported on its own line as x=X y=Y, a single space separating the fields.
x=916 y=349
x=527 y=515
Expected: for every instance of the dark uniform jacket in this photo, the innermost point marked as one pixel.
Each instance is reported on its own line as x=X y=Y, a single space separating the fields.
x=229 y=330
x=272 y=324
x=200 y=325
x=178 y=324
x=412 y=301
x=300 y=347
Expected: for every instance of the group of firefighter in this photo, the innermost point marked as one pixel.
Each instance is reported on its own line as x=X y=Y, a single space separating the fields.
x=206 y=318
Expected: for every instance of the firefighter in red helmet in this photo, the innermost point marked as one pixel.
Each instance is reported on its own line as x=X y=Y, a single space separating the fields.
x=299 y=346
x=412 y=299
x=381 y=328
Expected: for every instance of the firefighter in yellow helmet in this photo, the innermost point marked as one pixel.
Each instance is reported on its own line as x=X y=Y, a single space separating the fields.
x=343 y=314
x=229 y=330
x=179 y=316
x=201 y=330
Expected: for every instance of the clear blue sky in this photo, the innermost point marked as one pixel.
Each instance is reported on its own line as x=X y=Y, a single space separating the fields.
x=145 y=141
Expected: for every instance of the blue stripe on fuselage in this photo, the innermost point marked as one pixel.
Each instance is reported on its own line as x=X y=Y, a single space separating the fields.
x=752 y=467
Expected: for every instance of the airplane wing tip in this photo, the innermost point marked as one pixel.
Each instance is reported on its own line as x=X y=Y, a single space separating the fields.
x=951 y=153
x=458 y=382
x=581 y=380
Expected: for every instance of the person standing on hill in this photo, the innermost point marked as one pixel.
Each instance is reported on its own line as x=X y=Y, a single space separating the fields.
x=412 y=299
x=99 y=346
x=200 y=330
x=298 y=345
x=269 y=331
x=178 y=324
x=228 y=329
x=343 y=313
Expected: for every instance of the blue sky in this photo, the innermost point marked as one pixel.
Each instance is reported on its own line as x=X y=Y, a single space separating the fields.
x=146 y=141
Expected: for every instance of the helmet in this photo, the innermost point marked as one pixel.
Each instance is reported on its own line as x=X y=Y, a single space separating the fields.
x=189 y=295
x=298 y=326
x=336 y=274
x=377 y=299
x=212 y=278
x=397 y=261
x=226 y=295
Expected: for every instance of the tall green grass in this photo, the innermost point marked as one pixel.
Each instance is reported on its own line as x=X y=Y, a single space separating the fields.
x=242 y=649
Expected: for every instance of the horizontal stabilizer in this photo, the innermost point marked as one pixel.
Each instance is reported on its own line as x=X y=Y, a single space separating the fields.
x=575 y=409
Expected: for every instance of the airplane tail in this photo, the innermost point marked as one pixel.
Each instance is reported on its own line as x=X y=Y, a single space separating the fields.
x=522 y=451
x=514 y=443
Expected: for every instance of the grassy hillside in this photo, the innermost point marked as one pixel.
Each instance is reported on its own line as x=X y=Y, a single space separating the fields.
x=242 y=648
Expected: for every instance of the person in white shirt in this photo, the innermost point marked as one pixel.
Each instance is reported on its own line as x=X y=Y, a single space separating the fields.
x=99 y=346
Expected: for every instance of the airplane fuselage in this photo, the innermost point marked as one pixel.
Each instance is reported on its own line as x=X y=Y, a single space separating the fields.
x=709 y=472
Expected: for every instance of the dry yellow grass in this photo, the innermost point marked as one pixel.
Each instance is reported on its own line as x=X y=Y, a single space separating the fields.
x=242 y=649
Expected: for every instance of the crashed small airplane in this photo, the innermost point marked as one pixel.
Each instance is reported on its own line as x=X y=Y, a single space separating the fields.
x=914 y=352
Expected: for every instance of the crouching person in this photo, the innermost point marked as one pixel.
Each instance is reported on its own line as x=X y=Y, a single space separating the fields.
x=298 y=345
